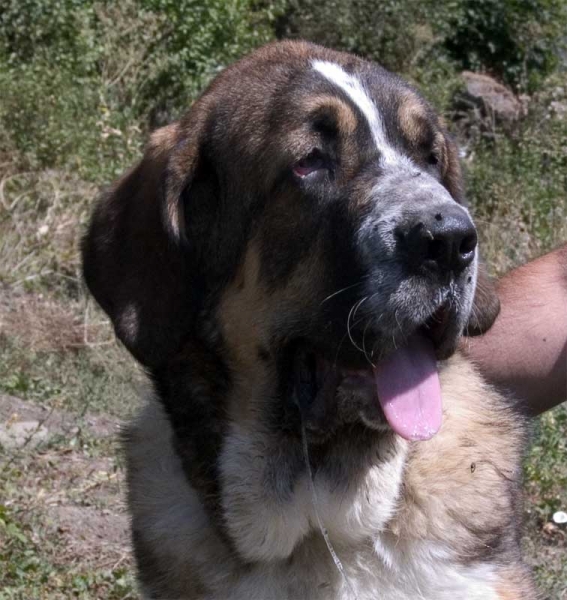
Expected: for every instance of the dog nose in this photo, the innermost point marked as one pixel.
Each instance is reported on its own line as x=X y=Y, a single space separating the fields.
x=440 y=240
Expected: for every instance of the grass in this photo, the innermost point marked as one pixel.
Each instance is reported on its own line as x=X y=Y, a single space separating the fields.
x=32 y=569
x=546 y=470
x=59 y=144
x=61 y=500
x=58 y=368
x=81 y=380
x=42 y=489
x=545 y=544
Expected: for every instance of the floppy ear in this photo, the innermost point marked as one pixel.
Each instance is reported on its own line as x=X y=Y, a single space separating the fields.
x=137 y=262
x=451 y=166
x=486 y=304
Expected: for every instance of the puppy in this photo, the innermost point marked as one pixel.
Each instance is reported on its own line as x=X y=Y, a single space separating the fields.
x=293 y=265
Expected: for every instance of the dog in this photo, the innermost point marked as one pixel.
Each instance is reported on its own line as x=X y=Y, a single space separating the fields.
x=293 y=264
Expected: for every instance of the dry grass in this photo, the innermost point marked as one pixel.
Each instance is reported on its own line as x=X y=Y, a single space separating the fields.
x=63 y=527
x=45 y=323
x=64 y=353
x=41 y=219
x=507 y=239
x=58 y=350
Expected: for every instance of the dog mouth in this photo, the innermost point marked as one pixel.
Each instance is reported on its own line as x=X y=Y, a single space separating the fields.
x=400 y=390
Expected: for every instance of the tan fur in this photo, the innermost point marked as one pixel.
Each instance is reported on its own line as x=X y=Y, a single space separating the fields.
x=244 y=316
x=161 y=144
x=412 y=118
x=243 y=310
x=247 y=312
x=438 y=489
x=452 y=168
x=214 y=260
x=459 y=476
x=162 y=141
x=346 y=118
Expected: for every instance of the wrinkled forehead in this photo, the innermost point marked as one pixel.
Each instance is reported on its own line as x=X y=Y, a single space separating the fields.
x=384 y=112
x=376 y=106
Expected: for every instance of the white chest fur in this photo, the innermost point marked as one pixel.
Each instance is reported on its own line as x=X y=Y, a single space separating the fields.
x=393 y=529
x=420 y=573
x=282 y=536
x=267 y=522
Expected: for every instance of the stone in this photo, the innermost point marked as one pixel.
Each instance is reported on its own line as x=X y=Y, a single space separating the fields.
x=22 y=433
x=490 y=98
x=559 y=109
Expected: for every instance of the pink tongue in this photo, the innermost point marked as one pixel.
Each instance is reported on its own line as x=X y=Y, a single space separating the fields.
x=408 y=389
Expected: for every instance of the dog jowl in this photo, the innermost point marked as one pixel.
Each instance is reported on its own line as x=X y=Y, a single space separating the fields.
x=294 y=265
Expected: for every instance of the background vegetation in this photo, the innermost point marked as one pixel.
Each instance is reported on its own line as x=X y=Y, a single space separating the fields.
x=83 y=83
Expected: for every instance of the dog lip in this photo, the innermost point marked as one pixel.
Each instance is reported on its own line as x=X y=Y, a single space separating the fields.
x=322 y=376
x=331 y=395
x=436 y=326
x=443 y=330
x=441 y=327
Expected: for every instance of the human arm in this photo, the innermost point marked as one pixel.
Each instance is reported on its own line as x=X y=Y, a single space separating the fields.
x=525 y=351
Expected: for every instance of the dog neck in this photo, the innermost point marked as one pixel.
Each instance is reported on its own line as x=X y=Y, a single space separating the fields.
x=234 y=464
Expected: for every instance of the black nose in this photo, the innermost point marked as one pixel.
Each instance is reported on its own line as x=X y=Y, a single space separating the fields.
x=440 y=239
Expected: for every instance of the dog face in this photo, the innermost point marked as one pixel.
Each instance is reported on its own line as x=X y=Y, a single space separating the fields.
x=278 y=249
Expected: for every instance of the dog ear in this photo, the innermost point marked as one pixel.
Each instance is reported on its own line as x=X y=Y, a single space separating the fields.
x=137 y=260
x=451 y=167
x=486 y=305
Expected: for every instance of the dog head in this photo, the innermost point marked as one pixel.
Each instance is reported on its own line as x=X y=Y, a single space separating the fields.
x=295 y=243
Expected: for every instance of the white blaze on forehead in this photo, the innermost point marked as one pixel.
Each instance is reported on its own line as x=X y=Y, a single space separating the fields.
x=354 y=89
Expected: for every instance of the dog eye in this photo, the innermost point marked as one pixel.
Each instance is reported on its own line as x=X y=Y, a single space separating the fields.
x=314 y=161
x=432 y=159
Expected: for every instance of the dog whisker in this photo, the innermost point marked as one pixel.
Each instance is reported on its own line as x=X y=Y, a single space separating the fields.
x=358 y=306
x=351 y=314
x=364 y=345
x=335 y=362
x=340 y=292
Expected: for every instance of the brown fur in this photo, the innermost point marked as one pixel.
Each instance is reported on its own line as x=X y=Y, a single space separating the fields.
x=466 y=492
x=214 y=260
x=412 y=118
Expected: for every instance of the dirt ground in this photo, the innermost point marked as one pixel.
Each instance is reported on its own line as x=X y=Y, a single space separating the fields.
x=67 y=490
x=62 y=496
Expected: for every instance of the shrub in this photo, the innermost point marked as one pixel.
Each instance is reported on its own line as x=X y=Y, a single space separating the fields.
x=60 y=32
x=82 y=80
x=517 y=183
x=196 y=40
x=519 y=41
x=56 y=120
x=391 y=32
x=68 y=92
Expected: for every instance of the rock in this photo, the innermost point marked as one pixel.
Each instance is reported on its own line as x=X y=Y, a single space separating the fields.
x=22 y=433
x=559 y=110
x=489 y=98
x=550 y=529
